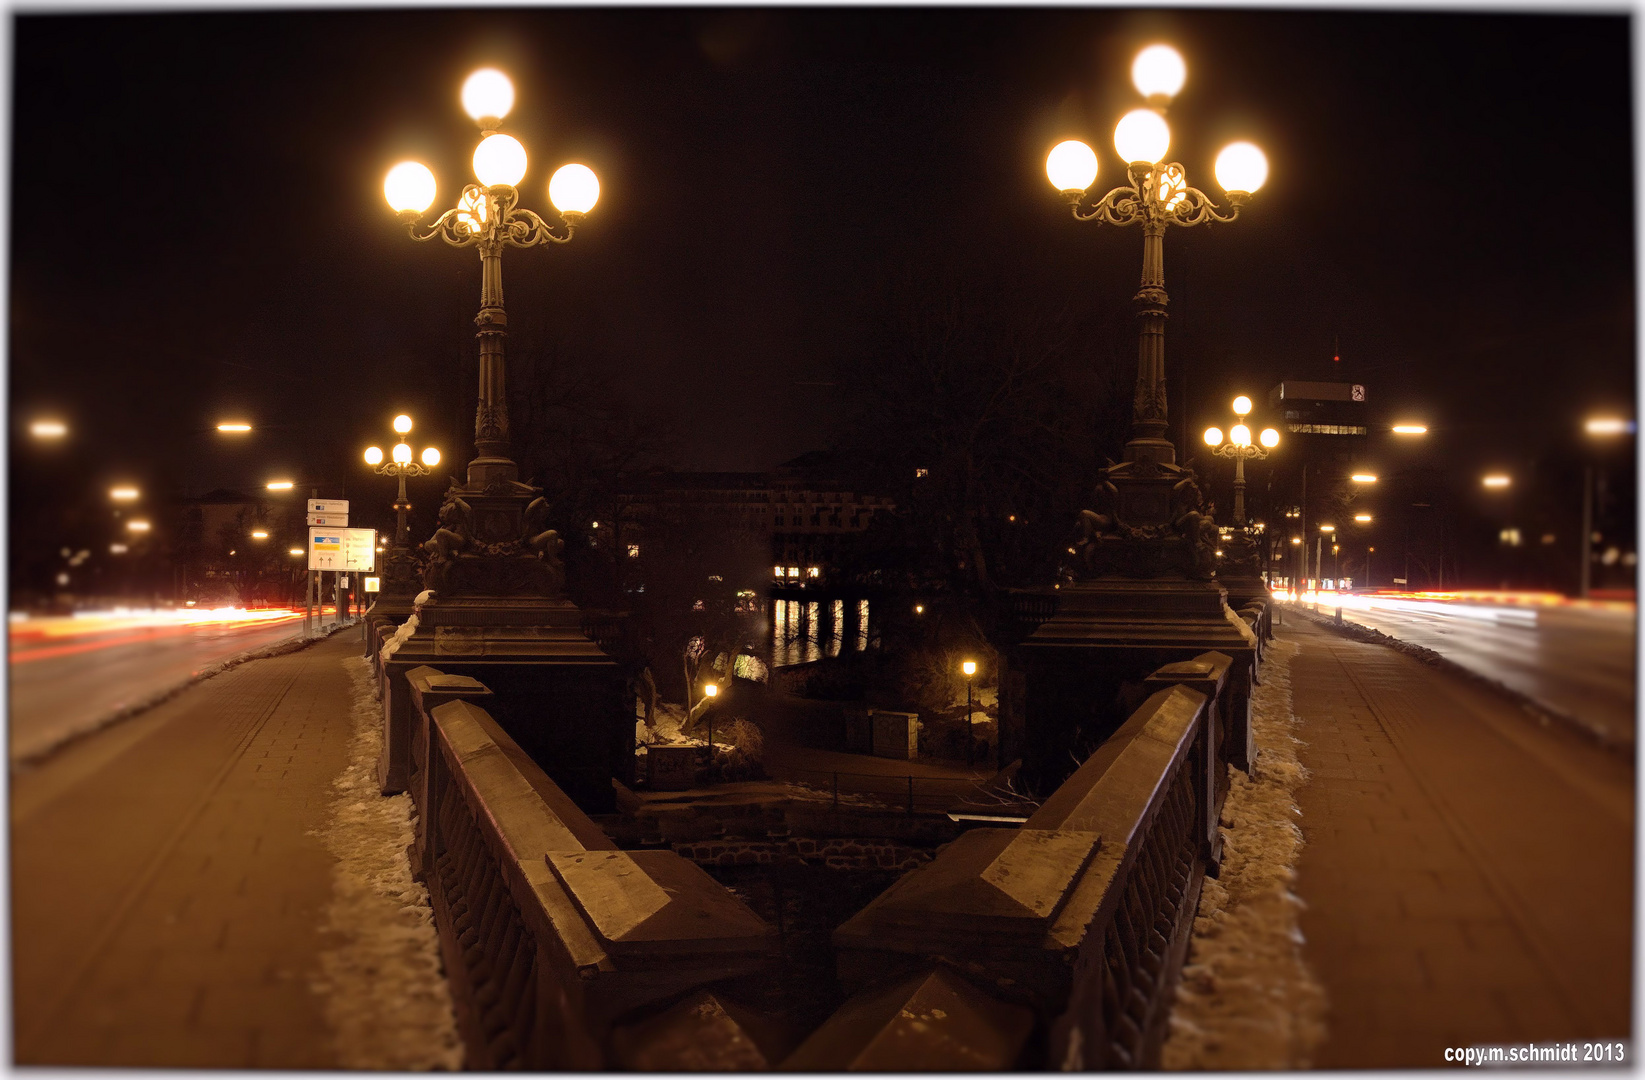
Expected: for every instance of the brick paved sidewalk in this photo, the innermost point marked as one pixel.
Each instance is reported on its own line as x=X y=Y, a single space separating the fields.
x=166 y=895
x=1468 y=872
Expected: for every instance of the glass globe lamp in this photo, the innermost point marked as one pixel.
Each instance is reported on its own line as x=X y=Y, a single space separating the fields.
x=409 y=188
x=1158 y=72
x=1213 y=436
x=574 y=189
x=487 y=96
x=1241 y=168
x=1071 y=166
x=499 y=161
x=374 y=455
x=1142 y=136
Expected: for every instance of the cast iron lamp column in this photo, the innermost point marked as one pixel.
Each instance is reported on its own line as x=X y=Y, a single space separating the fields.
x=1240 y=447
x=1156 y=194
x=489 y=217
x=400 y=464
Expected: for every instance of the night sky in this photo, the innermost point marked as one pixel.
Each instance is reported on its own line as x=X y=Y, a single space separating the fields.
x=198 y=227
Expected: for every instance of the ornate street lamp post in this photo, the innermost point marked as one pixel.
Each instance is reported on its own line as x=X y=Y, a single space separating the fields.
x=1243 y=564
x=488 y=216
x=1143 y=561
x=1240 y=447
x=495 y=581
x=398 y=583
x=1156 y=194
x=399 y=463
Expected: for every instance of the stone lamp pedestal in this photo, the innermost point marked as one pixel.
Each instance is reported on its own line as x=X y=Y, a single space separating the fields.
x=1139 y=593
x=497 y=612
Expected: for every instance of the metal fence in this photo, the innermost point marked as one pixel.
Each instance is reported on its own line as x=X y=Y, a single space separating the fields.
x=912 y=794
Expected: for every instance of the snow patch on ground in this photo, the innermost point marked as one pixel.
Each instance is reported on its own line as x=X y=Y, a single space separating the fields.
x=382 y=984
x=1246 y=999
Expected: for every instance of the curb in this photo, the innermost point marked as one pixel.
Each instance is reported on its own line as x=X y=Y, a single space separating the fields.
x=280 y=648
x=1541 y=710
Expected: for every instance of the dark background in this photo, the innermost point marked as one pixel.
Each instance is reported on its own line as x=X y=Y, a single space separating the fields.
x=198 y=228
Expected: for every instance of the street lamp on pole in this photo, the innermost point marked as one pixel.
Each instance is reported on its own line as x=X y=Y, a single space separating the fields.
x=1155 y=194
x=1599 y=427
x=488 y=216
x=970 y=669
x=399 y=463
x=1240 y=447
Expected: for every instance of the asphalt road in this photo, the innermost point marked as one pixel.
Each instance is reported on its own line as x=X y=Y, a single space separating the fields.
x=1574 y=660
x=69 y=676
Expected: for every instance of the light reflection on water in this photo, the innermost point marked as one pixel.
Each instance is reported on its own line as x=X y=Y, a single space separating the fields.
x=806 y=630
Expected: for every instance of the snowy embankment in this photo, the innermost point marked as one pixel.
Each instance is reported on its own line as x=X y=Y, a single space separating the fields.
x=1246 y=999
x=385 y=996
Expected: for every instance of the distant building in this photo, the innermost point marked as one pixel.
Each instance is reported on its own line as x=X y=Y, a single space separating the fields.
x=1335 y=409
x=1324 y=439
x=817 y=522
x=805 y=520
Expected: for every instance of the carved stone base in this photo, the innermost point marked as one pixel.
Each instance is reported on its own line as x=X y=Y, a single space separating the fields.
x=1082 y=666
x=558 y=694
x=1243 y=588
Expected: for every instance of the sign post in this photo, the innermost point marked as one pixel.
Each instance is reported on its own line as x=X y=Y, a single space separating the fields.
x=340 y=550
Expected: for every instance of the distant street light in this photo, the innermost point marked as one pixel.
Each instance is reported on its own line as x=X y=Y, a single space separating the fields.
x=401 y=465
x=1363 y=478
x=1155 y=194
x=1362 y=518
x=234 y=427
x=295 y=552
x=137 y=525
x=123 y=494
x=1240 y=447
x=280 y=485
x=970 y=669
x=1410 y=429
x=48 y=429
x=259 y=534
x=1496 y=480
x=1602 y=427
x=1327 y=528
x=487 y=215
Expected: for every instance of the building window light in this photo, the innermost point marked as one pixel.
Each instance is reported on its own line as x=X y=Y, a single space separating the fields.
x=812 y=571
x=633 y=551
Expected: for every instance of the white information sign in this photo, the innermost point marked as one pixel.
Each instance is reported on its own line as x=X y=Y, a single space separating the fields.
x=342 y=549
x=328 y=506
x=334 y=521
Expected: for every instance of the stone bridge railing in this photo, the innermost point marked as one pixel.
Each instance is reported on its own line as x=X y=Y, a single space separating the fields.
x=549 y=933
x=1056 y=944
